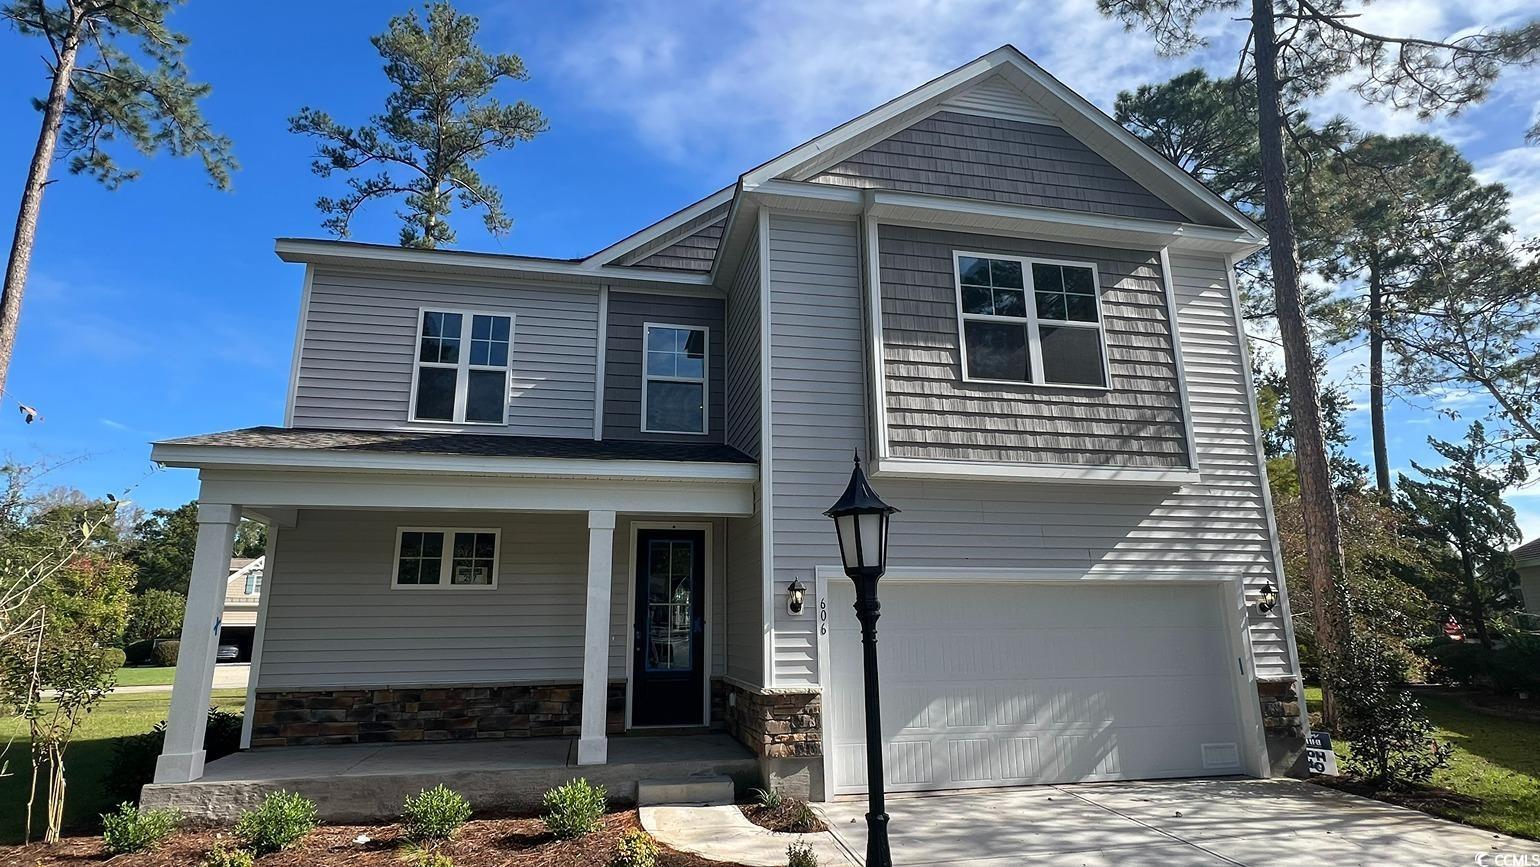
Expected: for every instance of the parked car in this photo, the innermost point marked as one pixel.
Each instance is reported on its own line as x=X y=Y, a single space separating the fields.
x=228 y=653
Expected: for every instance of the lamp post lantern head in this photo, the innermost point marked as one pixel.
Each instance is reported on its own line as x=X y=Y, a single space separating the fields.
x=861 y=520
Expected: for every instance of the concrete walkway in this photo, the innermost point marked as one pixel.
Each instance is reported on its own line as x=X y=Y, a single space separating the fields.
x=1176 y=823
x=723 y=834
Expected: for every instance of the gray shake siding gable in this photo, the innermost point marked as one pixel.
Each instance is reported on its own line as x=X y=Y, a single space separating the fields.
x=358 y=350
x=1217 y=526
x=628 y=315
x=998 y=160
x=934 y=414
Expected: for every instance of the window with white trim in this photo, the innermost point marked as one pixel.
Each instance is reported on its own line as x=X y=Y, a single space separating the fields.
x=674 y=372
x=1030 y=321
x=446 y=558
x=462 y=367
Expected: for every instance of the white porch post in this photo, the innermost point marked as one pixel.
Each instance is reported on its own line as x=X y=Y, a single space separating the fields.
x=181 y=759
x=593 y=748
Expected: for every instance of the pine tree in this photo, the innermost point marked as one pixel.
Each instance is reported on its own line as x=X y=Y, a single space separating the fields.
x=1318 y=45
x=115 y=71
x=439 y=121
x=1459 y=508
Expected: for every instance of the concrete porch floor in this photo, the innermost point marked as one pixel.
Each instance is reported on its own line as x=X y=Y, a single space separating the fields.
x=363 y=782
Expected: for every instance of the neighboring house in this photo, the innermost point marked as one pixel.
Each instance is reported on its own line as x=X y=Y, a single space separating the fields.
x=568 y=497
x=1526 y=561
x=243 y=595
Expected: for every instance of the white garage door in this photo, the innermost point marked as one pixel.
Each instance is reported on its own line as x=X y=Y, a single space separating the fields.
x=1012 y=684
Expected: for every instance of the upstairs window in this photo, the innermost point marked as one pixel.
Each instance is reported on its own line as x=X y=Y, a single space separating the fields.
x=674 y=379
x=436 y=557
x=1030 y=321
x=462 y=367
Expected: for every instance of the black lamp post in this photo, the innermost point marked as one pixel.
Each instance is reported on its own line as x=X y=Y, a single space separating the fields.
x=861 y=520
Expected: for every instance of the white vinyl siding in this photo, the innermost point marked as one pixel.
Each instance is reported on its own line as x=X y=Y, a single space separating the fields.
x=333 y=621
x=359 y=351
x=1217 y=525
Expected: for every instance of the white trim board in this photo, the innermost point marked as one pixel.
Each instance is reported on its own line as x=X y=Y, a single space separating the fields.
x=995 y=471
x=642 y=238
x=299 y=346
x=211 y=457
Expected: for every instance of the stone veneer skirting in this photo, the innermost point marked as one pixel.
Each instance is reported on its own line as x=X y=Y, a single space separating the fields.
x=777 y=725
x=388 y=715
x=1280 y=709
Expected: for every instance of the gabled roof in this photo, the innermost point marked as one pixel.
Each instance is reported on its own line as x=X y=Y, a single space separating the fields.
x=660 y=233
x=1072 y=111
x=1527 y=553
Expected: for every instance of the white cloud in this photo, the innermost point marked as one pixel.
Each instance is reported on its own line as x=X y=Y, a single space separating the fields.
x=1519 y=168
x=721 y=87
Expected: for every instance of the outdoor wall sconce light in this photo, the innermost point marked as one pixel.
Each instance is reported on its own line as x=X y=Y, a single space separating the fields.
x=1269 y=598
x=795 y=596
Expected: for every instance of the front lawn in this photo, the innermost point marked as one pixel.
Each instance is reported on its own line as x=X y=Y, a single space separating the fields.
x=146 y=675
x=86 y=761
x=1495 y=767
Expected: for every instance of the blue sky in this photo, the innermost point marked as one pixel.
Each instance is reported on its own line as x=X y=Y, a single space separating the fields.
x=160 y=310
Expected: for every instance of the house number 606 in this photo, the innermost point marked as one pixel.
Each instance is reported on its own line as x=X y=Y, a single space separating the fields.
x=823 y=617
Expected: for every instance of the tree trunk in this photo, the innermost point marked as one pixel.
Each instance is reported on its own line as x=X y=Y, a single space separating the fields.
x=1318 y=504
x=1478 y=610
x=1377 y=380
x=32 y=199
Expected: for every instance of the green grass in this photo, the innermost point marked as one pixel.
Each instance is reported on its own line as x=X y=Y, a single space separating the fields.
x=86 y=761
x=1496 y=761
x=147 y=675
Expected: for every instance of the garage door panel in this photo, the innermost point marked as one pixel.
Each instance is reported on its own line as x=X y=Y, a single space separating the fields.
x=1011 y=704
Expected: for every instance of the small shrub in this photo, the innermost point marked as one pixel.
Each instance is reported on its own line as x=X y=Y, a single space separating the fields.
x=637 y=849
x=165 y=652
x=130 y=829
x=282 y=820
x=222 y=857
x=800 y=817
x=434 y=814
x=1459 y=662
x=801 y=855
x=1516 y=665
x=416 y=856
x=1389 y=735
x=114 y=658
x=769 y=799
x=573 y=808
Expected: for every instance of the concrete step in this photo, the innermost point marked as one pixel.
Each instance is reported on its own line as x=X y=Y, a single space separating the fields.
x=709 y=789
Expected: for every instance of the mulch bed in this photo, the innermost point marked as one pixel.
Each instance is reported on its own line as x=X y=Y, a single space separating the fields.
x=1427 y=799
x=788 y=818
x=481 y=843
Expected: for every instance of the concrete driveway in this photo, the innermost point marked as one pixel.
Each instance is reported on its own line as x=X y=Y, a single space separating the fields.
x=1176 y=823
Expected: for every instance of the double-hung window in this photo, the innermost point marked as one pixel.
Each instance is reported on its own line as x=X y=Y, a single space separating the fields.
x=1030 y=320
x=462 y=367
x=674 y=379
x=441 y=557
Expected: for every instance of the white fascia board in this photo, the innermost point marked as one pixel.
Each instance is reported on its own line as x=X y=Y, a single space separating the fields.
x=437 y=492
x=660 y=228
x=936 y=90
x=993 y=471
x=213 y=457
x=942 y=212
x=1013 y=63
x=321 y=252
x=1096 y=574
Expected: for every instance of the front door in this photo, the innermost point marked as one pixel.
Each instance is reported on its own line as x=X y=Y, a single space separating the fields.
x=668 y=664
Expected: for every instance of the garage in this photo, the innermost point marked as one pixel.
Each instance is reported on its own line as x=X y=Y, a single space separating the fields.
x=1008 y=683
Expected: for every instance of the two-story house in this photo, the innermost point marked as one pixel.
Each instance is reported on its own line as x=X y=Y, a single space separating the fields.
x=518 y=497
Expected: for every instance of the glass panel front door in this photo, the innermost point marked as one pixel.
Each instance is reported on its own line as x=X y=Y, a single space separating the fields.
x=667 y=674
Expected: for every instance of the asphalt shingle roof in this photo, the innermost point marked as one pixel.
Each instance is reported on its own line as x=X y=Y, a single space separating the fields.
x=1528 y=550
x=475 y=445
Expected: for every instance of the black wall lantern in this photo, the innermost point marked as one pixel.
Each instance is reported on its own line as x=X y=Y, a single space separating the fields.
x=861 y=521
x=1267 y=598
x=796 y=595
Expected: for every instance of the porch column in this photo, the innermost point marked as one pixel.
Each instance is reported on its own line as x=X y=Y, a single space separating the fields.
x=593 y=749
x=181 y=759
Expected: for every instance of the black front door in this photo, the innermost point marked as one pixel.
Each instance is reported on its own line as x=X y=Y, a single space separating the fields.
x=668 y=662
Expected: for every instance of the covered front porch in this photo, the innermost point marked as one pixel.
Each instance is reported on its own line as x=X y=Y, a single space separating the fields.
x=523 y=654
x=360 y=782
